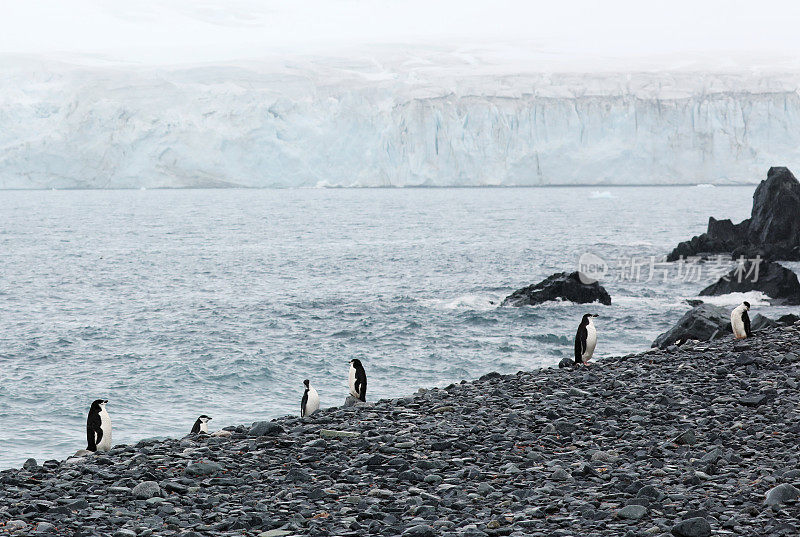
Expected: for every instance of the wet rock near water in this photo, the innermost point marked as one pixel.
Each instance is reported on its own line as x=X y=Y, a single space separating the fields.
x=560 y=286
x=771 y=232
x=706 y=322
x=701 y=323
x=695 y=441
x=772 y=279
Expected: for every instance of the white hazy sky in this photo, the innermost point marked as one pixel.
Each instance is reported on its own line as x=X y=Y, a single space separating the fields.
x=190 y=31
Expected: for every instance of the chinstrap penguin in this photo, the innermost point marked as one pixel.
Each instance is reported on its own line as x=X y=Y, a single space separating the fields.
x=585 y=339
x=98 y=427
x=358 y=380
x=740 y=321
x=310 y=402
x=201 y=425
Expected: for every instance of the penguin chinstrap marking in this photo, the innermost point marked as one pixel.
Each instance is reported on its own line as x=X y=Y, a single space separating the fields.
x=98 y=427
x=358 y=380
x=201 y=425
x=585 y=339
x=310 y=402
x=740 y=321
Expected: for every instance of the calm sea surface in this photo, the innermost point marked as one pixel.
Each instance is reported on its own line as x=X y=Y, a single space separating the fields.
x=176 y=303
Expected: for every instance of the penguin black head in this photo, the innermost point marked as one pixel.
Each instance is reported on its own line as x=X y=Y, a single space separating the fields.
x=306 y=383
x=746 y=304
x=355 y=362
x=204 y=418
x=98 y=405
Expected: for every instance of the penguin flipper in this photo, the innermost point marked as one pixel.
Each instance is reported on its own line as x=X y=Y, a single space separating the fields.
x=361 y=388
x=303 y=403
x=94 y=432
x=746 y=321
x=580 y=346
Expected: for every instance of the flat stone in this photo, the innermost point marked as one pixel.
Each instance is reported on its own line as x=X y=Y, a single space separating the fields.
x=146 y=490
x=753 y=400
x=203 y=468
x=632 y=512
x=605 y=456
x=45 y=527
x=781 y=494
x=692 y=527
x=329 y=433
x=381 y=493
x=266 y=428
x=420 y=530
x=560 y=475
x=686 y=438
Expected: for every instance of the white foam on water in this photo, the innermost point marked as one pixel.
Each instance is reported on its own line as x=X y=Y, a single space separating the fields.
x=467 y=302
x=605 y=194
x=755 y=298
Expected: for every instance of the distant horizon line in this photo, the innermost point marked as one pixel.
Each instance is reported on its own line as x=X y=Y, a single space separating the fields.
x=386 y=187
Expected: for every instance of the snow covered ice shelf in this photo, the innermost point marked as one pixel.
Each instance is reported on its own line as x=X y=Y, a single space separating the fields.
x=401 y=121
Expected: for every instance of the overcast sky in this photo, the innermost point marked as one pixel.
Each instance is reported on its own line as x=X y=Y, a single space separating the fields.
x=190 y=31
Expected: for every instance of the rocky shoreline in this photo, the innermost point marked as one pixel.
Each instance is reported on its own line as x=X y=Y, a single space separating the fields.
x=690 y=441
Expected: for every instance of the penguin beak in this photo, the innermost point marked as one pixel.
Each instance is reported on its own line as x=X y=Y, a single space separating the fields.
x=595 y=315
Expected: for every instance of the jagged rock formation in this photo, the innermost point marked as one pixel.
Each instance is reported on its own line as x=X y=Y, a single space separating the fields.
x=772 y=231
x=772 y=279
x=560 y=286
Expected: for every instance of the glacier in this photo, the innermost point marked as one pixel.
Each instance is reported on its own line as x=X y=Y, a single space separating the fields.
x=395 y=121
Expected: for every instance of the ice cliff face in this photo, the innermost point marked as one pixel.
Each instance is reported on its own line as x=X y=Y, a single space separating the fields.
x=317 y=124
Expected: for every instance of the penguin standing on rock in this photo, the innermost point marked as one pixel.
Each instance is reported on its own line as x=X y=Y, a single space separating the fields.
x=201 y=425
x=585 y=339
x=358 y=380
x=740 y=321
x=98 y=427
x=310 y=402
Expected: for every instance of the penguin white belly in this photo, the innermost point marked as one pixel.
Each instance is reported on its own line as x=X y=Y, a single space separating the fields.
x=204 y=427
x=591 y=342
x=105 y=425
x=312 y=405
x=737 y=324
x=353 y=391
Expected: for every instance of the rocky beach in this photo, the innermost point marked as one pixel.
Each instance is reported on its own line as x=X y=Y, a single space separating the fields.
x=688 y=441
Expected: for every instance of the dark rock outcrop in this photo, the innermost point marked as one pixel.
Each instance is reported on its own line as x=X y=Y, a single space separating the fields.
x=704 y=323
x=772 y=279
x=788 y=319
x=560 y=286
x=772 y=231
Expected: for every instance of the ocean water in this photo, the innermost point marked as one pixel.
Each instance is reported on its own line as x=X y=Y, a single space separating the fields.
x=175 y=303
